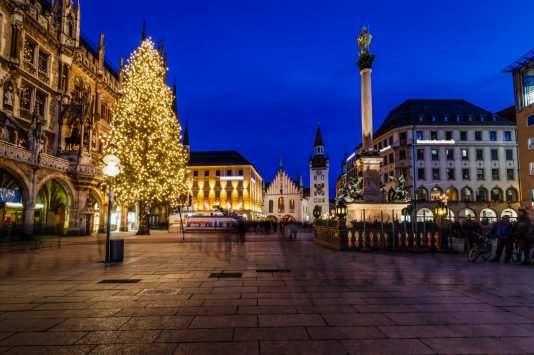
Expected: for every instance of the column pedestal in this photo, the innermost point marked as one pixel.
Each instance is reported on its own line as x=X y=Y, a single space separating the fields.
x=369 y=169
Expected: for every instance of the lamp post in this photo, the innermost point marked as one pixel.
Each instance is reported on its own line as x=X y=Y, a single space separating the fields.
x=341 y=213
x=110 y=170
x=441 y=211
x=316 y=212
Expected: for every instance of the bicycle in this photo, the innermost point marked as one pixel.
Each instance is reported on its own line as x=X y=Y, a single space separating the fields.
x=481 y=247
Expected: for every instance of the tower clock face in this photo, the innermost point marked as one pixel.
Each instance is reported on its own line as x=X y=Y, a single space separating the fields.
x=319 y=189
x=319 y=172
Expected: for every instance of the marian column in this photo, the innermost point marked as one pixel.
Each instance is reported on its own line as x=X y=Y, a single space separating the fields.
x=369 y=161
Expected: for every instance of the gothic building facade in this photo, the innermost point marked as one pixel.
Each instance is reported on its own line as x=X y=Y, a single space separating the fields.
x=285 y=199
x=58 y=94
x=319 y=170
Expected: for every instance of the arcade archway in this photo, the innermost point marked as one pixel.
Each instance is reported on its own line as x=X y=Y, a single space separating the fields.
x=53 y=206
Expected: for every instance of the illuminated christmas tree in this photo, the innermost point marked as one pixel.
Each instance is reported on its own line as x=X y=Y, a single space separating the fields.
x=146 y=136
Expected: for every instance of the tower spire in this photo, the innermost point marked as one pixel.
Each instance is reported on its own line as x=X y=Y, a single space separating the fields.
x=174 y=100
x=143 y=32
x=281 y=165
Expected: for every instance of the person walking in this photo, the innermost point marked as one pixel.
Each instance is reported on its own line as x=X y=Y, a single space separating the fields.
x=523 y=235
x=503 y=230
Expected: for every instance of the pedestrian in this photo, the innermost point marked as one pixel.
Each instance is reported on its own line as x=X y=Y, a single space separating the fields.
x=503 y=230
x=523 y=234
x=470 y=230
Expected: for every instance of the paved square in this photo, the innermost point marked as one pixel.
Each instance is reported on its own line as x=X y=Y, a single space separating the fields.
x=329 y=302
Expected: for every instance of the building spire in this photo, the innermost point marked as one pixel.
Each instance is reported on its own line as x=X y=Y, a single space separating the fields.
x=318 y=137
x=186 y=135
x=143 y=32
x=174 y=100
x=281 y=165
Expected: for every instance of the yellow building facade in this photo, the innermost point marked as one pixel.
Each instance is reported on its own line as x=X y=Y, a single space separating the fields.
x=225 y=179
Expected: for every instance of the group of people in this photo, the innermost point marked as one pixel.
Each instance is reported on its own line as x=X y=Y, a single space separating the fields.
x=506 y=232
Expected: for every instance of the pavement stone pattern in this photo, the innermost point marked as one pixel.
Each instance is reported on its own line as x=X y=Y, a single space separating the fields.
x=51 y=301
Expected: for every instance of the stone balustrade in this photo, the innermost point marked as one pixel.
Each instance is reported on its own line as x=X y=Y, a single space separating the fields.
x=15 y=152
x=387 y=236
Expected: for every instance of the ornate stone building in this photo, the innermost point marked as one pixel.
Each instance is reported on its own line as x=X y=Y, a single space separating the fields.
x=286 y=199
x=58 y=94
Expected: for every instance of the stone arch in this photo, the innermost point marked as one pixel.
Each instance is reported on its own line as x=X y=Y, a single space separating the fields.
x=60 y=179
x=488 y=215
x=482 y=194
x=467 y=213
x=19 y=177
x=424 y=215
x=466 y=194
x=435 y=193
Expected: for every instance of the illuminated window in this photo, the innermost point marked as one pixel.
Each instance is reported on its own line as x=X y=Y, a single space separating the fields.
x=281 y=207
x=528 y=87
x=493 y=135
x=449 y=153
x=271 y=206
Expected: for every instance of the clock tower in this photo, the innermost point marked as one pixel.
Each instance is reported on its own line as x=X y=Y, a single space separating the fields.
x=319 y=188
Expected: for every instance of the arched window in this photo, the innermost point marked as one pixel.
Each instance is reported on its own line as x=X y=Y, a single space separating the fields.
x=271 y=206
x=496 y=194
x=281 y=208
x=291 y=206
x=452 y=194
x=421 y=194
x=466 y=194
x=511 y=195
x=425 y=215
x=510 y=213
x=487 y=215
x=435 y=193
x=467 y=213
x=482 y=194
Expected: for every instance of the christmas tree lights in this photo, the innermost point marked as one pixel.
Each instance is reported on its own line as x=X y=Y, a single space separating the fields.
x=146 y=136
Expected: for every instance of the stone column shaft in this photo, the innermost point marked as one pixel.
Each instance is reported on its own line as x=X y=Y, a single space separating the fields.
x=367 y=110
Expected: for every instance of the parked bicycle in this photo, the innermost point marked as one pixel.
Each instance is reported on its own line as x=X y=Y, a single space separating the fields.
x=481 y=247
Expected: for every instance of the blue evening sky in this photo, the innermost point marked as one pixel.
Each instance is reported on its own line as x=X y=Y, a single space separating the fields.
x=258 y=75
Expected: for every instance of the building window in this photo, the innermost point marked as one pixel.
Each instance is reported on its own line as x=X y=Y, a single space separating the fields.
x=480 y=154
x=450 y=174
x=466 y=194
x=402 y=137
x=271 y=206
x=240 y=173
x=390 y=140
x=463 y=135
x=435 y=193
x=480 y=174
x=511 y=195
x=495 y=174
x=228 y=172
x=510 y=174
x=478 y=135
x=30 y=48
x=528 y=87
x=530 y=121
x=420 y=154
x=435 y=154
x=195 y=173
x=206 y=173
x=449 y=153
x=435 y=174
x=391 y=158
x=402 y=154
x=482 y=194
x=496 y=194
x=509 y=154
x=420 y=173
x=494 y=154
x=493 y=136
x=421 y=194
x=26 y=97
x=40 y=103
x=507 y=136
x=531 y=168
x=448 y=135
x=434 y=135
x=465 y=174
x=218 y=173
x=419 y=135
x=291 y=206
x=531 y=143
x=465 y=154
x=281 y=208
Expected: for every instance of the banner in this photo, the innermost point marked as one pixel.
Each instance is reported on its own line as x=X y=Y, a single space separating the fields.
x=10 y=195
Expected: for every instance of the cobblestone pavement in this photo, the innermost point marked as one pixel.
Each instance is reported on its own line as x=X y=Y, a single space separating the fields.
x=52 y=301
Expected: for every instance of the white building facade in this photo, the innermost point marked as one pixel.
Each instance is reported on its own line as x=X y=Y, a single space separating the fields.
x=284 y=199
x=319 y=173
x=452 y=148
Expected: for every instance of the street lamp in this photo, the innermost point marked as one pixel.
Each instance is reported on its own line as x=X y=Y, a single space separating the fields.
x=110 y=170
x=341 y=209
x=440 y=210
